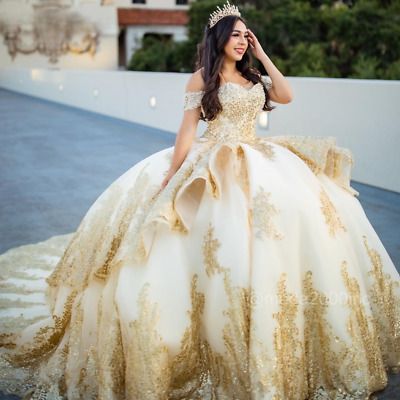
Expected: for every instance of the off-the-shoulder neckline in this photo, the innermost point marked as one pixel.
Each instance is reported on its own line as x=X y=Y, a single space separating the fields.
x=230 y=83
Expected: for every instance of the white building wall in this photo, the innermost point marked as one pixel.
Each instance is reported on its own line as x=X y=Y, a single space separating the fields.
x=362 y=114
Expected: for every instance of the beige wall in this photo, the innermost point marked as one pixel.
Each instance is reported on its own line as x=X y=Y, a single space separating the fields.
x=362 y=114
x=105 y=58
x=20 y=13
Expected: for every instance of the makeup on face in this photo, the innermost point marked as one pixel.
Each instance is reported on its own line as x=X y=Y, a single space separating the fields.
x=240 y=48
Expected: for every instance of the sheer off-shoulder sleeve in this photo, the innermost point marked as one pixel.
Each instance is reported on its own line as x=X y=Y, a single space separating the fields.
x=267 y=81
x=192 y=100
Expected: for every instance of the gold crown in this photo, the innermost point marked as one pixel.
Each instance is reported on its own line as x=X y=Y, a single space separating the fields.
x=218 y=14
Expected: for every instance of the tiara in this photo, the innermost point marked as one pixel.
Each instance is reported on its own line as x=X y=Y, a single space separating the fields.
x=218 y=14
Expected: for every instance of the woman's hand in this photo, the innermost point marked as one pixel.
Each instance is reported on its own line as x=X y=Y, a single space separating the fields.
x=165 y=181
x=255 y=45
x=281 y=92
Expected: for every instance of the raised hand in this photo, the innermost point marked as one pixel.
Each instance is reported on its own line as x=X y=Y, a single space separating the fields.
x=255 y=45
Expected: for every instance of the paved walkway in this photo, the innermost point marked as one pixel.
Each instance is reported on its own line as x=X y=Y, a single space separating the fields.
x=56 y=160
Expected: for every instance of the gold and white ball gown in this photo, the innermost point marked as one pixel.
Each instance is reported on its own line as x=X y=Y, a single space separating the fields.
x=255 y=274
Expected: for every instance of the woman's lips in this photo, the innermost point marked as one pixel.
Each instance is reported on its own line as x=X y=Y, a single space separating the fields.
x=240 y=51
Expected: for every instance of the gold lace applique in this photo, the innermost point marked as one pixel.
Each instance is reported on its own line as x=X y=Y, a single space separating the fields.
x=192 y=100
x=233 y=366
x=147 y=372
x=210 y=248
x=385 y=296
x=111 y=365
x=289 y=372
x=124 y=219
x=322 y=365
x=88 y=381
x=47 y=337
x=236 y=336
x=321 y=155
x=261 y=215
x=162 y=204
x=312 y=164
x=267 y=81
x=330 y=365
x=331 y=216
x=236 y=121
x=84 y=383
x=93 y=248
x=363 y=332
x=192 y=367
x=263 y=146
x=334 y=365
x=313 y=151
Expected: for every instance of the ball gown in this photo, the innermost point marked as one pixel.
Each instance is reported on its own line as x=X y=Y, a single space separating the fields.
x=254 y=274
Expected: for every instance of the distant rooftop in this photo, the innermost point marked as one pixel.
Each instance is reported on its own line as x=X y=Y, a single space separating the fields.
x=131 y=16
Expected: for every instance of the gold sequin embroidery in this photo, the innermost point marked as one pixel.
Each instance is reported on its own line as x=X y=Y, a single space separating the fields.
x=314 y=167
x=261 y=215
x=192 y=366
x=331 y=216
x=289 y=374
x=236 y=121
x=111 y=364
x=362 y=330
x=147 y=372
x=192 y=100
x=46 y=339
x=263 y=146
x=210 y=247
x=233 y=367
x=236 y=335
x=385 y=302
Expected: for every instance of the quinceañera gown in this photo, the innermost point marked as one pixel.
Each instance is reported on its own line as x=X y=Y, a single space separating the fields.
x=255 y=274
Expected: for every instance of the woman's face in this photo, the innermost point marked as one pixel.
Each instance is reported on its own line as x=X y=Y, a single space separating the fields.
x=238 y=42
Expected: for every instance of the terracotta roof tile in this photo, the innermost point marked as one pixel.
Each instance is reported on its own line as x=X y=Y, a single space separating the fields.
x=132 y=16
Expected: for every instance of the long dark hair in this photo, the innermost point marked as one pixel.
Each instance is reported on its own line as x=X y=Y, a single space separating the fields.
x=210 y=57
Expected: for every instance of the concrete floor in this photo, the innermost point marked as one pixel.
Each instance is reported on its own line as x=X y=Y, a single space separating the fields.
x=56 y=160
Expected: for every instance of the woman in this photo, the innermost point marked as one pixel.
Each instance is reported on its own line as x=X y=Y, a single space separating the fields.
x=227 y=267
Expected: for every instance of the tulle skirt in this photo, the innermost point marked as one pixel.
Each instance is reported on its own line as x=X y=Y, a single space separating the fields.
x=255 y=274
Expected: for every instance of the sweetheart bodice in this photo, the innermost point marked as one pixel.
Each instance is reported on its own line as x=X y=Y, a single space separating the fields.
x=240 y=107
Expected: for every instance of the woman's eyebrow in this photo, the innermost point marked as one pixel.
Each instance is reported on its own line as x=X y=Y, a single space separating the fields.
x=237 y=30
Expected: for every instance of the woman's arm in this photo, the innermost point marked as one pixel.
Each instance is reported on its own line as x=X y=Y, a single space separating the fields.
x=184 y=138
x=281 y=92
x=187 y=130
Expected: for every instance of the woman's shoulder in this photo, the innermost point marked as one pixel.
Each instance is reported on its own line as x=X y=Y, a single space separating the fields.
x=195 y=82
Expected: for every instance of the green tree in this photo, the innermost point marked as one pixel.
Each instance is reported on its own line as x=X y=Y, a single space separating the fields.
x=349 y=38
